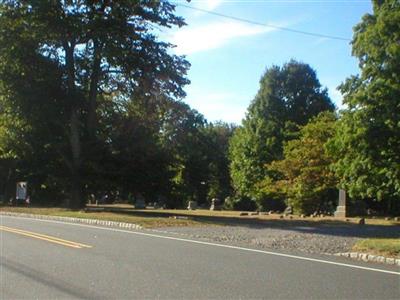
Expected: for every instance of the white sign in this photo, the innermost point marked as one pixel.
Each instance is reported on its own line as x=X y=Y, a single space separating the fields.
x=22 y=188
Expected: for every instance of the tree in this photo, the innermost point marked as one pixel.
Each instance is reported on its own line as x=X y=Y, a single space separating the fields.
x=288 y=97
x=217 y=137
x=91 y=49
x=306 y=180
x=367 y=143
x=183 y=138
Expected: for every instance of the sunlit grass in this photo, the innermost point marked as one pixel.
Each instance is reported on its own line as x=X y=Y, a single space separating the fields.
x=159 y=217
x=379 y=246
x=147 y=222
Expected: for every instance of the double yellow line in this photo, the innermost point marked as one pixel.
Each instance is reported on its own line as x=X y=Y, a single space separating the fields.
x=44 y=237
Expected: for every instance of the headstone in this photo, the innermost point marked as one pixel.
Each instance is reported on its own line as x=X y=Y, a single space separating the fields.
x=215 y=204
x=22 y=187
x=140 y=202
x=192 y=205
x=288 y=210
x=341 y=210
x=22 y=192
x=92 y=199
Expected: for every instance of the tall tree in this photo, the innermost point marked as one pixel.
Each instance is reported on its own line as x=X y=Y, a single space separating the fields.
x=367 y=143
x=183 y=138
x=91 y=48
x=288 y=96
x=217 y=136
x=306 y=180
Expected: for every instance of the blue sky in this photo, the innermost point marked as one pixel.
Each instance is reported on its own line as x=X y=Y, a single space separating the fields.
x=228 y=57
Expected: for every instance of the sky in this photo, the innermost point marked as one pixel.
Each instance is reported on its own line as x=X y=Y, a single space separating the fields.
x=228 y=57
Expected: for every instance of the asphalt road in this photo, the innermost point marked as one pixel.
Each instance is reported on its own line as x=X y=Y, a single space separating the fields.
x=89 y=262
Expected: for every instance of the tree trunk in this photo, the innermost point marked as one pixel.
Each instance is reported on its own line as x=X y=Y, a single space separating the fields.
x=94 y=80
x=75 y=200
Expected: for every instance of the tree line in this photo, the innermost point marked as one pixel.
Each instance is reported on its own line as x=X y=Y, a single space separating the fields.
x=91 y=103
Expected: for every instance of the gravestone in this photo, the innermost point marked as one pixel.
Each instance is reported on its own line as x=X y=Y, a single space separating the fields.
x=21 y=193
x=140 y=202
x=215 y=204
x=341 y=210
x=288 y=210
x=192 y=205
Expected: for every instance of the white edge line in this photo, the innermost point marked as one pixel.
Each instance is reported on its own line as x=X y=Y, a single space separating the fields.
x=215 y=244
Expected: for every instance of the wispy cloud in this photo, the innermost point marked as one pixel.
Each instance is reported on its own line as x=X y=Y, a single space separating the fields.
x=212 y=4
x=204 y=4
x=217 y=106
x=321 y=41
x=213 y=35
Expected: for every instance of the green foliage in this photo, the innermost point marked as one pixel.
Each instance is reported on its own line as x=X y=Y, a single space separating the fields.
x=288 y=97
x=217 y=136
x=305 y=176
x=367 y=141
x=60 y=59
x=240 y=203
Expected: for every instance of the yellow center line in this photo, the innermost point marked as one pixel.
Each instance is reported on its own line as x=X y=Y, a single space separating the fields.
x=45 y=237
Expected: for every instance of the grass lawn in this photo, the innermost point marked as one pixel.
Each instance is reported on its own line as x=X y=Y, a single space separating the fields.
x=385 y=247
x=156 y=217
x=159 y=217
x=147 y=222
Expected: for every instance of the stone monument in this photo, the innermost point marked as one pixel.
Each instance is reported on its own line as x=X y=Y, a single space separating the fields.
x=140 y=203
x=288 y=210
x=215 y=204
x=341 y=210
x=192 y=205
x=21 y=193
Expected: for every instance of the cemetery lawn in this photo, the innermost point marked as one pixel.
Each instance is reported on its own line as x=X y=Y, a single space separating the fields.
x=146 y=222
x=151 y=218
x=379 y=246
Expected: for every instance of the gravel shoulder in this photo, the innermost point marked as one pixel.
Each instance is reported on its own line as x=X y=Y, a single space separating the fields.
x=309 y=239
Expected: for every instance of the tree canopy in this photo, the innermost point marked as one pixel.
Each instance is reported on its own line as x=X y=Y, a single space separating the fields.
x=289 y=96
x=367 y=143
x=58 y=58
x=305 y=178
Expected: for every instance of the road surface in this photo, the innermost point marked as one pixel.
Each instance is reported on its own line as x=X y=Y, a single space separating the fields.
x=45 y=260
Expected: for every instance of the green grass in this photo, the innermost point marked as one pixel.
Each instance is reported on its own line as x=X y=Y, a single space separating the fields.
x=159 y=217
x=380 y=246
x=230 y=214
x=147 y=222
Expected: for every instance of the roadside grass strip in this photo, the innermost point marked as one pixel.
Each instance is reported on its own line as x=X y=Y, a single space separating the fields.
x=44 y=237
